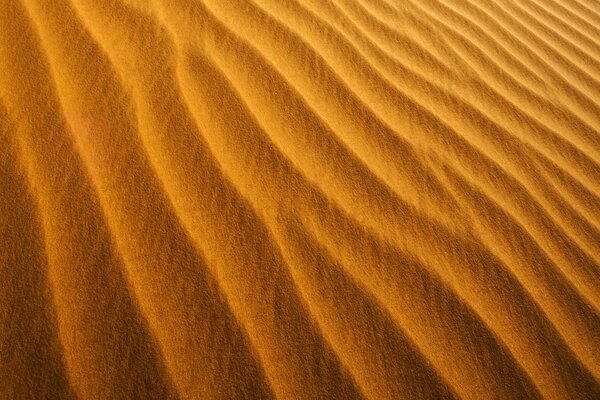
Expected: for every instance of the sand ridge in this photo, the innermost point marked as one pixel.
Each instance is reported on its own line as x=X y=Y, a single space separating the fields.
x=299 y=199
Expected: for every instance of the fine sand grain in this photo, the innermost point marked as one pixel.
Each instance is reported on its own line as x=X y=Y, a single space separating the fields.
x=299 y=199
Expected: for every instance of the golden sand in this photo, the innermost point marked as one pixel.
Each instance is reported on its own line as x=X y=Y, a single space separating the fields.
x=299 y=199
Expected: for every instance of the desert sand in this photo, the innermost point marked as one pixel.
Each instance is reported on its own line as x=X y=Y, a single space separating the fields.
x=299 y=199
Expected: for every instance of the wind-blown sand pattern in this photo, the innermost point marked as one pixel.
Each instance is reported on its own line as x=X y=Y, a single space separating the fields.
x=299 y=199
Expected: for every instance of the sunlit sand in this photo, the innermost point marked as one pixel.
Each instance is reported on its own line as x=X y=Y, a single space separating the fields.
x=299 y=199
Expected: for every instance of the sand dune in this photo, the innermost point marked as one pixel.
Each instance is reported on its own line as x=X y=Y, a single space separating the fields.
x=299 y=199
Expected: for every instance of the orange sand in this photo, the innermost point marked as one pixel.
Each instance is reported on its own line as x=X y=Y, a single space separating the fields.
x=299 y=199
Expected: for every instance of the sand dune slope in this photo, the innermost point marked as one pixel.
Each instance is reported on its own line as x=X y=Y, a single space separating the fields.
x=299 y=199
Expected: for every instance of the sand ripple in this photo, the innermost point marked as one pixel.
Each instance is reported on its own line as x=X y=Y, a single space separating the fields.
x=299 y=199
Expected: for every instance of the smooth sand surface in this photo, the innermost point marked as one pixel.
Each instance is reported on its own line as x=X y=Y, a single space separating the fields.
x=299 y=199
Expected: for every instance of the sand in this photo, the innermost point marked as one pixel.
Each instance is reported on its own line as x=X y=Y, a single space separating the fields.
x=299 y=199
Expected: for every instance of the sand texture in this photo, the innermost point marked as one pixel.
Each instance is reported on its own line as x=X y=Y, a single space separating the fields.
x=299 y=199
